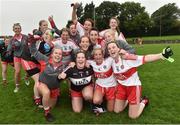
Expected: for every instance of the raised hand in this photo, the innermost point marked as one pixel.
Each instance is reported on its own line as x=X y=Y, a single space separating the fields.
x=167 y=53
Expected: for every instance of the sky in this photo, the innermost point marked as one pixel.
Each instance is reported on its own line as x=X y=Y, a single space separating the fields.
x=29 y=12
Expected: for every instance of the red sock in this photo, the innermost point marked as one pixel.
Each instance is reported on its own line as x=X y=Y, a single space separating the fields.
x=46 y=111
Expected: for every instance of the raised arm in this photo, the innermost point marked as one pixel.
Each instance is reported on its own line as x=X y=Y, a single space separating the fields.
x=53 y=25
x=166 y=54
x=74 y=15
x=33 y=50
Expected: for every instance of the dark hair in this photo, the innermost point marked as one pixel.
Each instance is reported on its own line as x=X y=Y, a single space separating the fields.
x=65 y=30
x=69 y=23
x=98 y=49
x=95 y=29
x=16 y=24
x=90 y=20
x=80 y=51
x=112 y=42
x=84 y=37
x=41 y=21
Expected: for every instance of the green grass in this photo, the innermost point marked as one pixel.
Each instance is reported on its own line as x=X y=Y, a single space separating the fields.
x=160 y=81
x=173 y=37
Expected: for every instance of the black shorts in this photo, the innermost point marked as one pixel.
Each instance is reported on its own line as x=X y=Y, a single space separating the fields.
x=32 y=72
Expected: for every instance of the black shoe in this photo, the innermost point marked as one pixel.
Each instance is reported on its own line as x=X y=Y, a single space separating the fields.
x=145 y=100
x=49 y=117
x=38 y=103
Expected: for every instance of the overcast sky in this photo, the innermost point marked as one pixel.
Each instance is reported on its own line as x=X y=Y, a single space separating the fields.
x=30 y=12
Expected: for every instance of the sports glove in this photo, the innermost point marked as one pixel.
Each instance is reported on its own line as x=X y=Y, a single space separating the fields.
x=167 y=53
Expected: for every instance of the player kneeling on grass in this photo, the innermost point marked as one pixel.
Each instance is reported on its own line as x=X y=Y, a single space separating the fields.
x=129 y=87
x=81 y=81
x=48 y=86
x=105 y=84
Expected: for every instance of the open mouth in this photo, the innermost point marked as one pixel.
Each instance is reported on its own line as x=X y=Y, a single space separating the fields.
x=57 y=59
x=113 y=53
x=85 y=47
x=80 y=63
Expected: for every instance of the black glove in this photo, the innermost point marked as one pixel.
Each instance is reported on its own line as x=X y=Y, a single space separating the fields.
x=37 y=32
x=167 y=52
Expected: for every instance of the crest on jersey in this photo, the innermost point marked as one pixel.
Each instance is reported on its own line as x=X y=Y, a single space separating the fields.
x=117 y=68
x=105 y=67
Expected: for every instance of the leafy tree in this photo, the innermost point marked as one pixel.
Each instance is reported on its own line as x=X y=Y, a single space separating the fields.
x=134 y=20
x=104 y=12
x=86 y=12
x=165 y=19
x=80 y=11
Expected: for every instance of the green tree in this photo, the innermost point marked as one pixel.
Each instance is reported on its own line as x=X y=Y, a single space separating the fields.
x=134 y=20
x=165 y=19
x=104 y=12
x=79 y=11
x=86 y=12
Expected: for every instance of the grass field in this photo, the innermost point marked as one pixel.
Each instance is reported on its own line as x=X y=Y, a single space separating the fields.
x=172 y=37
x=160 y=81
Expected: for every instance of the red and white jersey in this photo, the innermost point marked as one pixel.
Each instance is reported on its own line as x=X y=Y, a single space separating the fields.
x=125 y=71
x=66 y=49
x=80 y=29
x=104 y=73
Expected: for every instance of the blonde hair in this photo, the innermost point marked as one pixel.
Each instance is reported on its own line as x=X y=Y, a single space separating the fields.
x=95 y=49
x=110 y=32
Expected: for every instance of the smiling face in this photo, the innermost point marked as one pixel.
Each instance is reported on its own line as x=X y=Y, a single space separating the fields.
x=57 y=55
x=109 y=36
x=98 y=56
x=85 y=43
x=93 y=36
x=87 y=25
x=73 y=29
x=43 y=26
x=80 y=60
x=17 y=29
x=65 y=36
x=113 y=50
x=113 y=23
x=6 y=41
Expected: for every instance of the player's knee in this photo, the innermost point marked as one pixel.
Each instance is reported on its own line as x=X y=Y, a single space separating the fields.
x=97 y=101
x=88 y=97
x=133 y=116
x=110 y=109
x=118 y=110
x=77 y=110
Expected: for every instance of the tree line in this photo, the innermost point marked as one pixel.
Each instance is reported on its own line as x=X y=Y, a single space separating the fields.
x=134 y=20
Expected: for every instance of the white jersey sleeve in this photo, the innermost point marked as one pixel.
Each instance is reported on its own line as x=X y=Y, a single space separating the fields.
x=80 y=29
x=136 y=63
